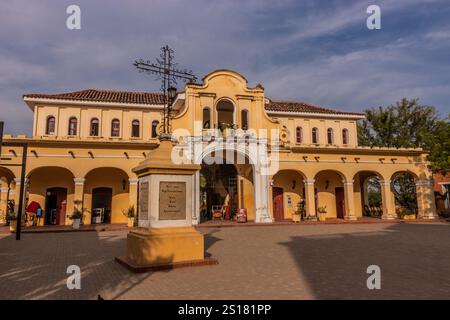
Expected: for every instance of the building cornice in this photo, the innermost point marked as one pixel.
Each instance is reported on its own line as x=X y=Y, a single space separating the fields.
x=359 y=150
x=317 y=115
x=36 y=142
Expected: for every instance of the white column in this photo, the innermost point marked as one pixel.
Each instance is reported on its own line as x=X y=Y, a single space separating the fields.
x=349 y=202
x=261 y=196
x=17 y=195
x=426 y=202
x=388 y=200
x=310 y=197
x=4 y=193
x=79 y=196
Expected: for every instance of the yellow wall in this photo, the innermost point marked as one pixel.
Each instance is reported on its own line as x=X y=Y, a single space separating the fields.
x=322 y=124
x=84 y=114
x=285 y=179
x=326 y=196
x=223 y=85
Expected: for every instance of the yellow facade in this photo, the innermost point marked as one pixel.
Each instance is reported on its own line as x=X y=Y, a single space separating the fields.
x=325 y=172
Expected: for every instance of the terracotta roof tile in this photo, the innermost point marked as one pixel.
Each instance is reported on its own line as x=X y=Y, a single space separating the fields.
x=105 y=96
x=149 y=98
x=299 y=106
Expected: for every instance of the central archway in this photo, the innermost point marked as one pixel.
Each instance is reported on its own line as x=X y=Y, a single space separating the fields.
x=252 y=186
x=218 y=191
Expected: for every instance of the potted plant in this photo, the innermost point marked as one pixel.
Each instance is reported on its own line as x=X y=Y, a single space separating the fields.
x=322 y=213
x=77 y=214
x=11 y=217
x=228 y=129
x=406 y=214
x=130 y=213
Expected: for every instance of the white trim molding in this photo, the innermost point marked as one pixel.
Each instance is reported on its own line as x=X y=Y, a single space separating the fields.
x=309 y=182
x=314 y=114
x=348 y=182
x=133 y=182
x=424 y=182
x=79 y=181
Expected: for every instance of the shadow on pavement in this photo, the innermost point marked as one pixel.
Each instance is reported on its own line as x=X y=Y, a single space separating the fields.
x=414 y=261
x=35 y=267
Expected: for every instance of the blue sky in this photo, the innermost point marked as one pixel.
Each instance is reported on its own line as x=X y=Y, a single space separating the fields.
x=314 y=50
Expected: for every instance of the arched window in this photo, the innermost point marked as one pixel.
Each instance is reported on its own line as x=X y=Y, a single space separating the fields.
x=135 y=129
x=155 y=124
x=244 y=119
x=345 y=136
x=206 y=118
x=225 y=114
x=73 y=123
x=330 y=137
x=315 y=135
x=50 y=126
x=115 y=128
x=299 y=135
x=95 y=127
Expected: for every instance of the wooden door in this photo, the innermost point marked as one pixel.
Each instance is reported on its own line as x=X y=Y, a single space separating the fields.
x=278 y=205
x=56 y=203
x=340 y=202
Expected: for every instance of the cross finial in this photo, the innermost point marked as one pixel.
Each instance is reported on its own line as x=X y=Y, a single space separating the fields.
x=167 y=72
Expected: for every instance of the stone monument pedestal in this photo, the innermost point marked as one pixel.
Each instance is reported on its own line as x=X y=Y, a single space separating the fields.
x=165 y=238
x=157 y=246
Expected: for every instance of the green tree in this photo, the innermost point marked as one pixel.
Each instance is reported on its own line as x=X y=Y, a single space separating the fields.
x=408 y=124
x=438 y=144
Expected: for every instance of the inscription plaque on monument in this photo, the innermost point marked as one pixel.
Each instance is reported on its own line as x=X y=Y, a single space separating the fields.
x=172 y=200
x=143 y=201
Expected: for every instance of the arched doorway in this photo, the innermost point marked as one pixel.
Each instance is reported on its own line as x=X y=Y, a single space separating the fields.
x=403 y=186
x=55 y=206
x=101 y=205
x=53 y=189
x=106 y=195
x=329 y=193
x=228 y=176
x=218 y=191
x=368 y=184
x=6 y=193
x=288 y=193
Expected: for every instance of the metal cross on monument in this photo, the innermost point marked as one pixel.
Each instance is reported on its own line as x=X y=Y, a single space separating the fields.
x=166 y=70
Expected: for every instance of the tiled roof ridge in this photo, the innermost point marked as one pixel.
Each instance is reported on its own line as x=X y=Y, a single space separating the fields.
x=294 y=103
x=105 y=95
x=157 y=98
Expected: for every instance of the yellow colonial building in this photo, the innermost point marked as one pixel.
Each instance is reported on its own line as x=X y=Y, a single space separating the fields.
x=264 y=155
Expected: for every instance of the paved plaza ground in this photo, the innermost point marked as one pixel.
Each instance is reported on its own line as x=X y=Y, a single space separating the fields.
x=276 y=262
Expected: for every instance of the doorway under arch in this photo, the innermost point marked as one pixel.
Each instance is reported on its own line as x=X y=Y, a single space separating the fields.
x=218 y=191
x=55 y=206
x=403 y=185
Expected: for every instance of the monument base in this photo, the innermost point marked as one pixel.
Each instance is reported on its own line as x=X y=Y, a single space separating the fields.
x=163 y=248
x=130 y=265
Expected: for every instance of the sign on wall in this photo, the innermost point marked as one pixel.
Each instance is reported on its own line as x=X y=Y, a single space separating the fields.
x=172 y=200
